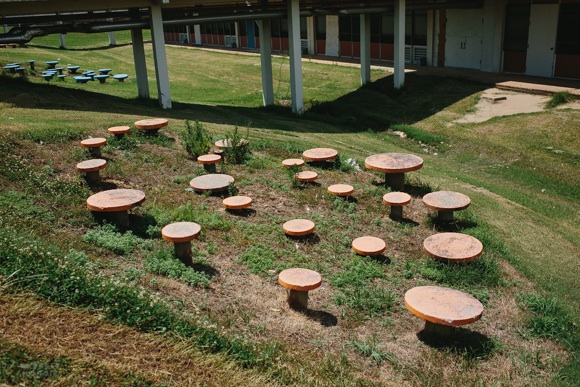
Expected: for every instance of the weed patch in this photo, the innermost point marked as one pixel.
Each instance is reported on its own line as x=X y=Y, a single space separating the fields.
x=559 y=98
x=162 y=262
x=107 y=236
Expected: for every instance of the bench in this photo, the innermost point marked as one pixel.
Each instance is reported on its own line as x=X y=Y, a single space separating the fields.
x=453 y=247
x=237 y=202
x=369 y=245
x=445 y=203
x=396 y=200
x=299 y=281
x=209 y=162
x=116 y=203
x=119 y=131
x=443 y=309
x=341 y=189
x=298 y=227
x=215 y=182
x=181 y=234
x=120 y=77
x=91 y=169
x=94 y=145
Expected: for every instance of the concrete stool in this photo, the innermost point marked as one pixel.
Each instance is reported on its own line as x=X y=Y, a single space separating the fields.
x=73 y=69
x=341 y=189
x=181 y=234
x=119 y=131
x=209 y=162
x=306 y=176
x=319 y=154
x=453 y=247
x=59 y=69
x=61 y=77
x=94 y=145
x=237 y=202
x=79 y=79
x=445 y=203
x=443 y=309
x=298 y=282
x=369 y=245
x=101 y=78
x=289 y=163
x=151 y=125
x=104 y=71
x=214 y=182
x=91 y=169
x=31 y=63
x=298 y=227
x=116 y=203
x=120 y=77
x=397 y=200
x=20 y=70
x=51 y=63
x=47 y=77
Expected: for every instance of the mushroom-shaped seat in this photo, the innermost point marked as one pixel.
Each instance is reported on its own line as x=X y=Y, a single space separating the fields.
x=237 y=202
x=102 y=78
x=73 y=69
x=215 y=182
x=340 y=189
x=116 y=202
x=83 y=79
x=298 y=282
x=298 y=227
x=94 y=145
x=120 y=77
x=396 y=200
x=319 y=154
x=442 y=308
x=104 y=71
x=119 y=131
x=91 y=169
x=306 y=176
x=369 y=245
x=453 y=247
x=181 y=234
x=151 y=125
x=289 y=163
x=61 y=77
x=209 y=162
x=445 y=203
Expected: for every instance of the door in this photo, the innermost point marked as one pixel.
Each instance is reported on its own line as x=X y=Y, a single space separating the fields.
x=463 y=41
x=542 y=40
x=250 y=34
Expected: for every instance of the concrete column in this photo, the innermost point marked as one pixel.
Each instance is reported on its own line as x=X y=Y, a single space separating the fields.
x=62 y=41
x=237 y=32
x=161 y=71
x=332 y=39
x=365 y=49
x=491 y=48
x=295 y=52
x=311 y=34
x=399 y=59
x=265 y=32
x=430 y=37
x=197 y=33
x=140 y=64
x=112 y=39
x=188 y=33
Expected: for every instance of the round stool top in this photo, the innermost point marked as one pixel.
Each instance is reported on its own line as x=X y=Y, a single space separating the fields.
x=93 y=142
x=341 y=189
x=319 y=154
x=211 y=182
x=453 y=246
x=306 y=176
x=393 y=162
x=180 y=231
x=115 y=200
x=446 y=201
x=91 y=165
x=397 y=198
x=299 y=279
x=237 y=202
x=151 y=123
x=120 y=76
x=298 y=227
x=369 y=245
x=291 y=162
x=119 y=129
x=443 y=305
x=72 y=67
x=209 y=159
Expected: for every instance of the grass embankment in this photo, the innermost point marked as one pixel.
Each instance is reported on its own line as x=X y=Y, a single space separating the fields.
x=228 y=312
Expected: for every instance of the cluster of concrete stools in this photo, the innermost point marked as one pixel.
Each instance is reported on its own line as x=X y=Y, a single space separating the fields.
x=52 y=71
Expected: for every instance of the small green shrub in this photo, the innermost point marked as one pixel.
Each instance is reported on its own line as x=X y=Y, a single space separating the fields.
x=559 y=98
x=107 y=236
x=343 y=205
x=238 y=150
x=371 y=349
x=162 y=262
x=259 y=259
x=196 y=139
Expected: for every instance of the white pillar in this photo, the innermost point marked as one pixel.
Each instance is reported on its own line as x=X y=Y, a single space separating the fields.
x=140 y=64
x=197 y=33
x=365 y=49
x=188 y=33
x=62 y=41
x=161 y=71
x=310 y=34
x=399 y=57
x=112 y=39
x=332 y=39
x=265 y=28
x=295 y=51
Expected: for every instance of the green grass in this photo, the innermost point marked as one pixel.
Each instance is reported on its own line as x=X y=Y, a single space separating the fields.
x=559 y=98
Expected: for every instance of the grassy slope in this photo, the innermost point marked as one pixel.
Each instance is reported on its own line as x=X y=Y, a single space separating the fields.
x=504 y=165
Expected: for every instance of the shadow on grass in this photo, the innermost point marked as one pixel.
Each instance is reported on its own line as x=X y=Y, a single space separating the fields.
x=100 y=48
x=140 y=224
x=464 y=342
x=310 y=239
x=243 y=213
x=323 y=318
x=208 y=270
x=382 y=259
x=455 y=225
